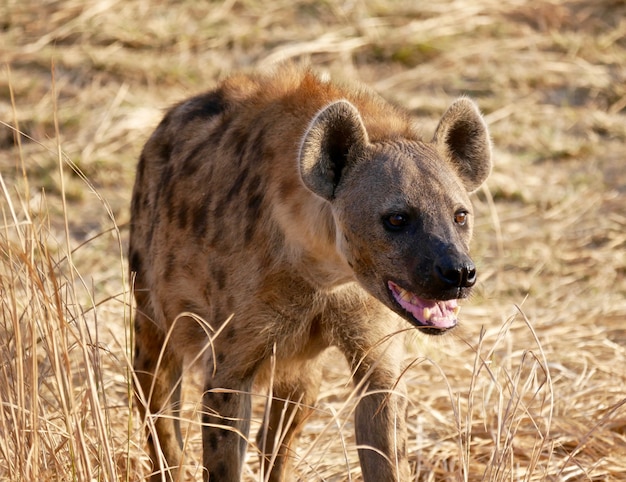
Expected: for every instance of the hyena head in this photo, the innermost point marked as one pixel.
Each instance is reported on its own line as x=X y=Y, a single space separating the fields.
x=401 y=207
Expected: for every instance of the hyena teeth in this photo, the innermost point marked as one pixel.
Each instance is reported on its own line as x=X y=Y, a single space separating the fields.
x=456 y=310
x=427 y=314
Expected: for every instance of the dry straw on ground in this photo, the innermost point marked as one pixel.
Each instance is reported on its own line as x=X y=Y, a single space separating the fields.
x=532 y=387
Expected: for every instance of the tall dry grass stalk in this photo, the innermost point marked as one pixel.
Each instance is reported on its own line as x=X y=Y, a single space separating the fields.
x=57 y=419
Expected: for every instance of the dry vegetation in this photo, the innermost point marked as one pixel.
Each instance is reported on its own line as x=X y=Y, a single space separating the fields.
x=531 y=388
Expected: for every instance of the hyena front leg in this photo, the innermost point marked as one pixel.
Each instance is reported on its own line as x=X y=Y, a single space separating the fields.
x=293 y=397
x=380 y=425
x=227 y=407
x=380 y=416
x=158 y=377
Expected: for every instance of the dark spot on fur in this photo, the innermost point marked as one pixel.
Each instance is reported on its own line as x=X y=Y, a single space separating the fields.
x=195 y=159
x=235 y=188
x=220 y=358
x=216 y=240
x=159 y=148
x=199 y=221
x=135 y=262
x=220 y=277
x=257 y=147
x=217 y=314
x=226 y=397
x=155 y=197
x=200 y=215
x=166 y=186
x=212 y=440
x=206 y=418
x=137 y=352
x=182 y=215
x=145 y=201
x=253 y=213
x=255 y=184
x=191 y=165
x=239 y=139
x=213 y=401
x=231 y=333
x=219 y=473
x=153 y=223
x=204 y=106
x=171 y=212
x=143 y=360
x=316 y=326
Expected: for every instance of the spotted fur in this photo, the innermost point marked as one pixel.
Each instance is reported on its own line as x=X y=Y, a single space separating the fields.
x=276 y=216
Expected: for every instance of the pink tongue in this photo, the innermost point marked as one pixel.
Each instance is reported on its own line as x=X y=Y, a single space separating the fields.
x=437 y=314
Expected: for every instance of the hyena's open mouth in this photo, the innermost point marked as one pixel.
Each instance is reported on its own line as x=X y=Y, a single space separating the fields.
x=430 y=316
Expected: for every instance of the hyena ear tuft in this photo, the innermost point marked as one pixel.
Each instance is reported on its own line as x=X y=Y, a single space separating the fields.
x=463 y=137
x=329 y=145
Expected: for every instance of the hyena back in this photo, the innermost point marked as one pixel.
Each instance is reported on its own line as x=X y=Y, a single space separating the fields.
x=278 y=215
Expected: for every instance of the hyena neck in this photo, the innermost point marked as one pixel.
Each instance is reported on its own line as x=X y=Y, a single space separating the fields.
x=311 y=234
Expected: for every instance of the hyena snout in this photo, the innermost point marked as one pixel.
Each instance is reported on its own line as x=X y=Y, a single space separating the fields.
x=455 y=271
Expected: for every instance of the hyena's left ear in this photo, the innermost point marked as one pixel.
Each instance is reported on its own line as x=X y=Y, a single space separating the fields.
x=330 y=144
x=463 y=138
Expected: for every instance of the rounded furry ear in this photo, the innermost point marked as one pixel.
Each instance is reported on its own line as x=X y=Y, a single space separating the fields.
x=463 y=137
x=335 y=132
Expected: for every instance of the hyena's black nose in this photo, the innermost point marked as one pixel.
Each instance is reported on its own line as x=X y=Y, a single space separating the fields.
x=456 y=272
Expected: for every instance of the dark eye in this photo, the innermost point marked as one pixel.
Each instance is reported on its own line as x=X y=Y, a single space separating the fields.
x=461 y=218
x=396 y=221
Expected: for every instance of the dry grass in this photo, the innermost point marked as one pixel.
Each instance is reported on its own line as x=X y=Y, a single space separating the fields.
x=533 y=385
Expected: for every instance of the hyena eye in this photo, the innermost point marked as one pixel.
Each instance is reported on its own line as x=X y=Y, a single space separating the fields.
x=395 y=221
x=461 y=218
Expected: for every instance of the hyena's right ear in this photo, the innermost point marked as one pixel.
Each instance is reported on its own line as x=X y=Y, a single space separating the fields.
x=330 y=143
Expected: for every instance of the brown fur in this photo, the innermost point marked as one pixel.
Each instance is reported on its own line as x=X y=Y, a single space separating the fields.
x=263 y=232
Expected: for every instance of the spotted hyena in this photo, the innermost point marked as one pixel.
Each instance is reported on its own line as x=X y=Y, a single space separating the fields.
x=274 y=217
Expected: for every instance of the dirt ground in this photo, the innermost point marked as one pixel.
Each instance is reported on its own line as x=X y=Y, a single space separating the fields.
x=533 y=384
